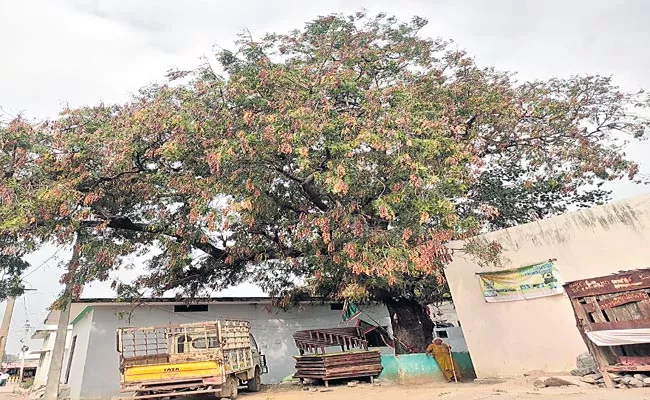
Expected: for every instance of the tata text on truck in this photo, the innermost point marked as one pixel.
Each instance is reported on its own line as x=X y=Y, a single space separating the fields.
x=212 y=357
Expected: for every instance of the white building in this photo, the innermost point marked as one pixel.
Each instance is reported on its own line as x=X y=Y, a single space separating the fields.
x=94 y=365
x=48 y=334
x=444 y=313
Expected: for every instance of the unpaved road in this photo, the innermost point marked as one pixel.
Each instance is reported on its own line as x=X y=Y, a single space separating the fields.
x=6 y=393
x=519 y=390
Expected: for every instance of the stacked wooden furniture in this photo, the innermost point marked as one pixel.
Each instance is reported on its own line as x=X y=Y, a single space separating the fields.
x=354 y=360
x=614 y=305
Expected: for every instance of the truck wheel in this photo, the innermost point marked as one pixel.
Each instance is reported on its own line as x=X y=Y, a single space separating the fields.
x=255 y=383
x=230 y=388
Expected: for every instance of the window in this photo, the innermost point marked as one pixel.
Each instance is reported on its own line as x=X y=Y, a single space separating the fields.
x=199 y=343
x=336 y=306
x=442 y=334
x=191 y=308
x=181 y=343
x=72 y=346
x=253 y=343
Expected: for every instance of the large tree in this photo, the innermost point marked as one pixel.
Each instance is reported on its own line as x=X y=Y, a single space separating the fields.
x=338 y=160
x=15 y=177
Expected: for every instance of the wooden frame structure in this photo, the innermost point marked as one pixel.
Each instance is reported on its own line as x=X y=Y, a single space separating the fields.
x=313 y=340
x=354 y=361
x=609 y=303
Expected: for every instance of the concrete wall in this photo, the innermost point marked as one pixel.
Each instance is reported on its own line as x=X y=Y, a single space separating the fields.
x=82 y=330
x=453 y=336
x=507 y=339
x=272 y=329
x=40 y=379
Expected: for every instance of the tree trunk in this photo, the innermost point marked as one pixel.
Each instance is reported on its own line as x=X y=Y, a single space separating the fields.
x=412 y=326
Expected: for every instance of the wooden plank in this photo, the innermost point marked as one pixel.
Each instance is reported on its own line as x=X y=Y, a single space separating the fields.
x=626 y=312
x=644 y=308
x=630 y=360
x=622 y=299
x=597 y=314
x=627 y=368
x=580 y=314
x=339 y=365
x=630 y=324
x=589 y=307
x=583 y=322
x=621 y=282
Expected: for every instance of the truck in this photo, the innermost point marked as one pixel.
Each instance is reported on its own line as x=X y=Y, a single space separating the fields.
x=210 y=357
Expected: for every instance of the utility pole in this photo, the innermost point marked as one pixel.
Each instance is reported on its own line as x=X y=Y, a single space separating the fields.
x=6 y=321
x=58 y=352
x=23 y=350
x=54 y=373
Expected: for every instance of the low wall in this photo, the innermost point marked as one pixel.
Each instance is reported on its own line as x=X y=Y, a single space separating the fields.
x=422 y=367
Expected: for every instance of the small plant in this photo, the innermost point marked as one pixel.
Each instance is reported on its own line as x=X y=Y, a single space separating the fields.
x=26 y=384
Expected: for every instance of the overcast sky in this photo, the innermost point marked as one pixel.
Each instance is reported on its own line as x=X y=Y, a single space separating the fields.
x=78 y=52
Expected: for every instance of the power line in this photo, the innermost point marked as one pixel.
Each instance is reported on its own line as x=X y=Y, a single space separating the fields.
x=41 y=265
x=27 y=325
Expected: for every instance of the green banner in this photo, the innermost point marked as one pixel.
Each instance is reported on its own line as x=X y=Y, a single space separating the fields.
x=350 y=311
x=539 y=280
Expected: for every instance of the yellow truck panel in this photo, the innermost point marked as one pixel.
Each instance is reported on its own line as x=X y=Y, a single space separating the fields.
x=162 y=372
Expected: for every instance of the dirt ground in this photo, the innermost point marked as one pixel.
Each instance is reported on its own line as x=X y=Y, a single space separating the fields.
x=7 y=393
x=511 y=390
x=520 y=390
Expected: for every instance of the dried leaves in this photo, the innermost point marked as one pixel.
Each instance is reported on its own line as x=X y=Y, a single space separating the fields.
x=350 y=151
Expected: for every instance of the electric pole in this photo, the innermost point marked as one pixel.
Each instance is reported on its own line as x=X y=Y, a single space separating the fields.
x=23 y=350
x=58 y=352
x=6 y=322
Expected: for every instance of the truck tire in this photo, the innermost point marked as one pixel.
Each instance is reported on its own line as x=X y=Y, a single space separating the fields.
x=255 y=383
x=230 y=388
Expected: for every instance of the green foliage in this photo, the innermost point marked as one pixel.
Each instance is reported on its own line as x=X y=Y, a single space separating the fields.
x=28 y=383
x=11 y=269
x=348 y=153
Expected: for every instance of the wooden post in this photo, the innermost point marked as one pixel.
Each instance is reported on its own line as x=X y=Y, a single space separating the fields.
x=580 y=317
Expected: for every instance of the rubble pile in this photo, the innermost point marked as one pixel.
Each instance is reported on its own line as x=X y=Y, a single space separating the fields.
x=36 y=392
x=628 y=380
x=585 y=365
x=587 y=371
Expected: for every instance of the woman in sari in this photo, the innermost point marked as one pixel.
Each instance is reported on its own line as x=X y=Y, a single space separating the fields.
x=442 y=354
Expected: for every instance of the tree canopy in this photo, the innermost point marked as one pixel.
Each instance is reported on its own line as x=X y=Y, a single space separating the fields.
x=339 y=158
